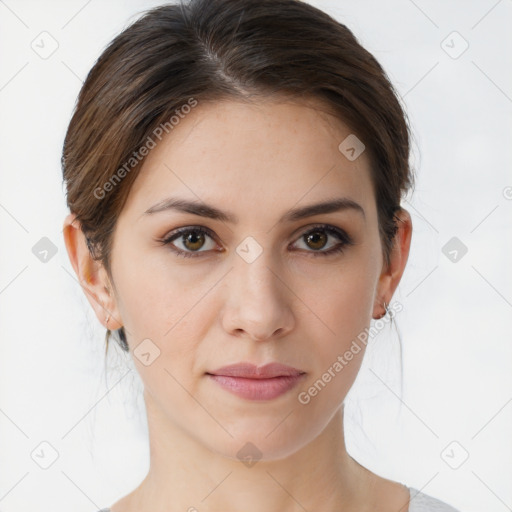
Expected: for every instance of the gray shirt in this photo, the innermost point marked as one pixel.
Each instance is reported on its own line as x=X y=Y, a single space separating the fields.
x=419 y=502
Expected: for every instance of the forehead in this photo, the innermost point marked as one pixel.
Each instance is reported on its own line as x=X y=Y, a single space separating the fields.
x=254 y=156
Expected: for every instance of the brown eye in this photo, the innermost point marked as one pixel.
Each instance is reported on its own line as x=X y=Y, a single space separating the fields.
x=316 y=239
x=193 y=241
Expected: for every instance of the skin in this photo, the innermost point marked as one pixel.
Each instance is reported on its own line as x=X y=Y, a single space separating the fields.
x=293 y=306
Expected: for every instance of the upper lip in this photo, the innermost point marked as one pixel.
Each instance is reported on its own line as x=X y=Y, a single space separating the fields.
x=251 y=371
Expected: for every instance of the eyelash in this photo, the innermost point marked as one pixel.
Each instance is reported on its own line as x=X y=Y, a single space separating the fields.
x=345 y=239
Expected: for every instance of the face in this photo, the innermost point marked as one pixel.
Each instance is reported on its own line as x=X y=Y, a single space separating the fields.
x=196 y=293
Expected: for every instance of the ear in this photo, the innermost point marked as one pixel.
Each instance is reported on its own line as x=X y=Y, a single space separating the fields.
x=91 y=275
x=390 y=277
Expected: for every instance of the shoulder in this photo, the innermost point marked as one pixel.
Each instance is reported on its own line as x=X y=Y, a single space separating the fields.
x=420 y=502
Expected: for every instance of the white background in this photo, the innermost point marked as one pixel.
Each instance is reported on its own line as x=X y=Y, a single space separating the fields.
x=457 y=318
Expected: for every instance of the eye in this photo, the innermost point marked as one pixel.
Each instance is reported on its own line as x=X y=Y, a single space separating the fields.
x=317 y=239
x=192 y=239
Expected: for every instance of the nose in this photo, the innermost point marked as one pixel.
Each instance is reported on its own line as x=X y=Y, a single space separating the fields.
x=258 y=301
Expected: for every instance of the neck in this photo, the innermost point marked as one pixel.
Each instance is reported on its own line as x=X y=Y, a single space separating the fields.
x=186 y=475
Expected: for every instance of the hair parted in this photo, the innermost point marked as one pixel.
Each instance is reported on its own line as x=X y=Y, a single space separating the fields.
x=211 y=50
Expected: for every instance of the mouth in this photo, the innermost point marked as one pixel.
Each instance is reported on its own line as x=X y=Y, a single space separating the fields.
x=257 y=383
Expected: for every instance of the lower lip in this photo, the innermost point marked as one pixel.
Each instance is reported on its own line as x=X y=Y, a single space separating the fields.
x=258 y=389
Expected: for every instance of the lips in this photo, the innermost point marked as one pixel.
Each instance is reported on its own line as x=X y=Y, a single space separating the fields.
x=257 y=383
x=250 y=371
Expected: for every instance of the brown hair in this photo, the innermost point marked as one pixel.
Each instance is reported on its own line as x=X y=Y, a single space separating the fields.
x=213 y=50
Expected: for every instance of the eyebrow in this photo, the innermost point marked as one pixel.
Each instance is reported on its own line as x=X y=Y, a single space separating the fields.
x=204 y=210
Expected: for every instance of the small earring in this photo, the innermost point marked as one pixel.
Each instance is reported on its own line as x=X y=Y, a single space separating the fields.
x=106 y=320
x=385 y=310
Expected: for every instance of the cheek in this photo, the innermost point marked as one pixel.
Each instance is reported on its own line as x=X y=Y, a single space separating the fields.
x=335 y=357
x=343 y=297
x=338 y=328
x=348 y=319
x=163 y=310
x=154 y=294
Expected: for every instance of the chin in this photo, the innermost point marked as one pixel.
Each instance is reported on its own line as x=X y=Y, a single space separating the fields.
x=270 y=439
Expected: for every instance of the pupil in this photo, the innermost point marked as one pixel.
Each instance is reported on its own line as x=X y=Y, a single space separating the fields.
x=194 y=238
x=315 y=238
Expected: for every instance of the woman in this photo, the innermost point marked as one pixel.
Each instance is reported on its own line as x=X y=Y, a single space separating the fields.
x=234 y=172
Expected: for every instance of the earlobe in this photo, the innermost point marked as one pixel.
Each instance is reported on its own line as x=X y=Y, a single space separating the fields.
x=385 y=308
x=91 y=275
